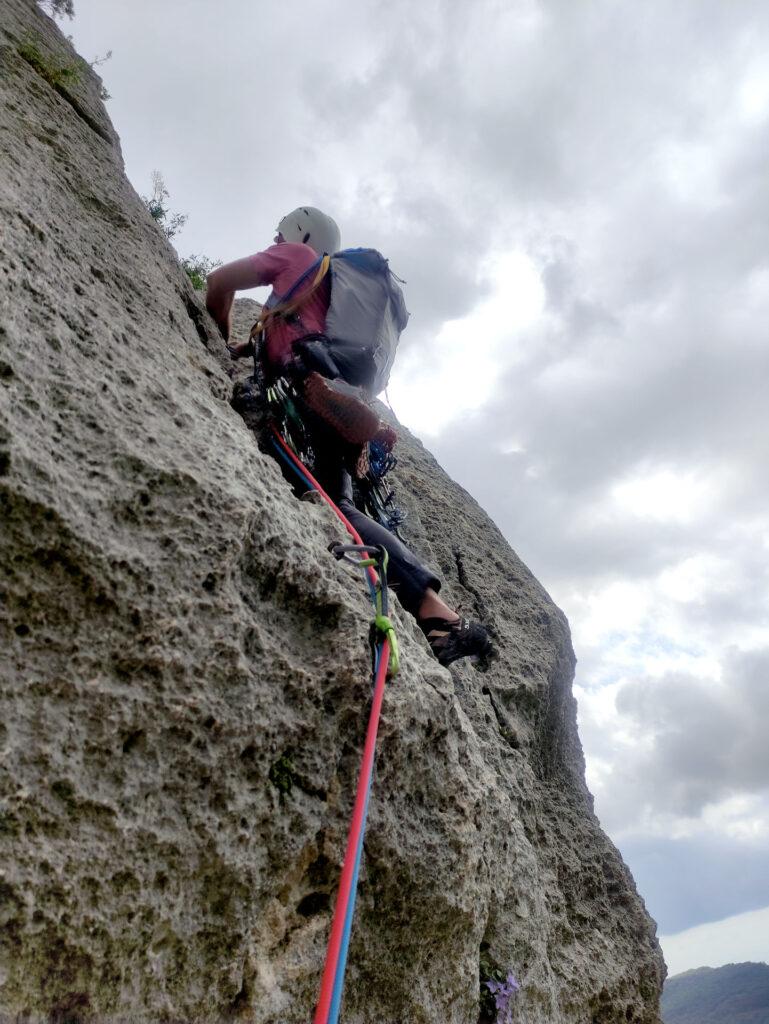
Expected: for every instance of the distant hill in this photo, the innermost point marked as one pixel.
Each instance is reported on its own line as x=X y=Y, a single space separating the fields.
x=734 y=994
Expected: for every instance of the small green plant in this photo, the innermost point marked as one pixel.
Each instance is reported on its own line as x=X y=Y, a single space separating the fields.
x=56 y=72
x=169 y=223
x=282 y=773
x=488 y=970
x=97 y=63
x=498 y=990
x=504 y=993
x=197 y=269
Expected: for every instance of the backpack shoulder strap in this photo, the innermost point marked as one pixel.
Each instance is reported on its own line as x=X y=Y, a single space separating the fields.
x=287 y=306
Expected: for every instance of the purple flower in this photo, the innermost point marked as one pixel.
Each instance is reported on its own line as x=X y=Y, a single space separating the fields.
x=504 y=993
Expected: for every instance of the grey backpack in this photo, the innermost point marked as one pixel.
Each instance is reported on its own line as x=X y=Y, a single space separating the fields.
x=366 y=315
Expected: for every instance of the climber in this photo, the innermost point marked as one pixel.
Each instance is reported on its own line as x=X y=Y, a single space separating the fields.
x=338 y=420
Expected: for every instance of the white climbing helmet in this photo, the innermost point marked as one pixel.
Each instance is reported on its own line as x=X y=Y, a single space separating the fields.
x=313 y=227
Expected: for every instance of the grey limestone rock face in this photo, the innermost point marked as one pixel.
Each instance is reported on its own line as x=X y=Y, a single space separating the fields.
x=184 y=672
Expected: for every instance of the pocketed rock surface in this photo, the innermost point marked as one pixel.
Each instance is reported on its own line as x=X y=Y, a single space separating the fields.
x=185 y=673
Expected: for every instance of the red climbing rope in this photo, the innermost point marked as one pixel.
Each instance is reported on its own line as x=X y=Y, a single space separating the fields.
x=330 y=978
x=305 y=472
x=358 y=823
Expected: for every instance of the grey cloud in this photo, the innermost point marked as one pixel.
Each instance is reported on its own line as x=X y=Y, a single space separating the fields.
x=542 y=522
x=709 y=742
x=688 y=882
x=745 y=601
x=441 y=287
x=561 y=111
x=678 y=384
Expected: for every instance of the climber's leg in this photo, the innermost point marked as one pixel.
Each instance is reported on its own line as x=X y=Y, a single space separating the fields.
x=406 y=576
x=450 y=636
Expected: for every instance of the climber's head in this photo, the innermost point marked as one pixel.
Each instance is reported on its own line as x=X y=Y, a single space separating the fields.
x=311 y=226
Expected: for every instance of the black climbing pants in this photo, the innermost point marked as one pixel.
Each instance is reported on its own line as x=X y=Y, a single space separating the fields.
x=406 y=576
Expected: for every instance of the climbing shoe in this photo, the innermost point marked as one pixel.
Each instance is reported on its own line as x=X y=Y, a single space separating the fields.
x=337 y=404
x=450 y=641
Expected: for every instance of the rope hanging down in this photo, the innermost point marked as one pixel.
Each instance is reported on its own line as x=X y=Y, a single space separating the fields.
x=386 y=659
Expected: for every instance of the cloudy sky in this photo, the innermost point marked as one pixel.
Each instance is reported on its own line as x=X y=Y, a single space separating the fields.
x=577 y=193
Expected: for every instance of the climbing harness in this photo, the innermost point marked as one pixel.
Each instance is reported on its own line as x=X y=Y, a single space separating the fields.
x=371 y=491
x=386 y=662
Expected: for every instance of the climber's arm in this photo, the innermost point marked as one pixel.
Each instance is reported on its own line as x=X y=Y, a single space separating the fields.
x=222 y=284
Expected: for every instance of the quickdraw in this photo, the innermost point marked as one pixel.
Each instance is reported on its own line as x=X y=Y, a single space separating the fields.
x=381 y=626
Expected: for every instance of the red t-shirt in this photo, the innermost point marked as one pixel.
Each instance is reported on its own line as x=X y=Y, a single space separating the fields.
x=281 y=266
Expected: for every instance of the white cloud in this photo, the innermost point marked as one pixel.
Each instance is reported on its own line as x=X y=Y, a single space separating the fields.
x=738 y=939
x=688 y=753
x=742 y=817
x=664 y=494
x=618 y=608
x=753 y=94
x=465 y=357
x=691 y=171
x=689 y=580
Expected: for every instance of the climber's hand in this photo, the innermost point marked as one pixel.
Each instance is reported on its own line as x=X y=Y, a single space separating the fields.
x=240 y=349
